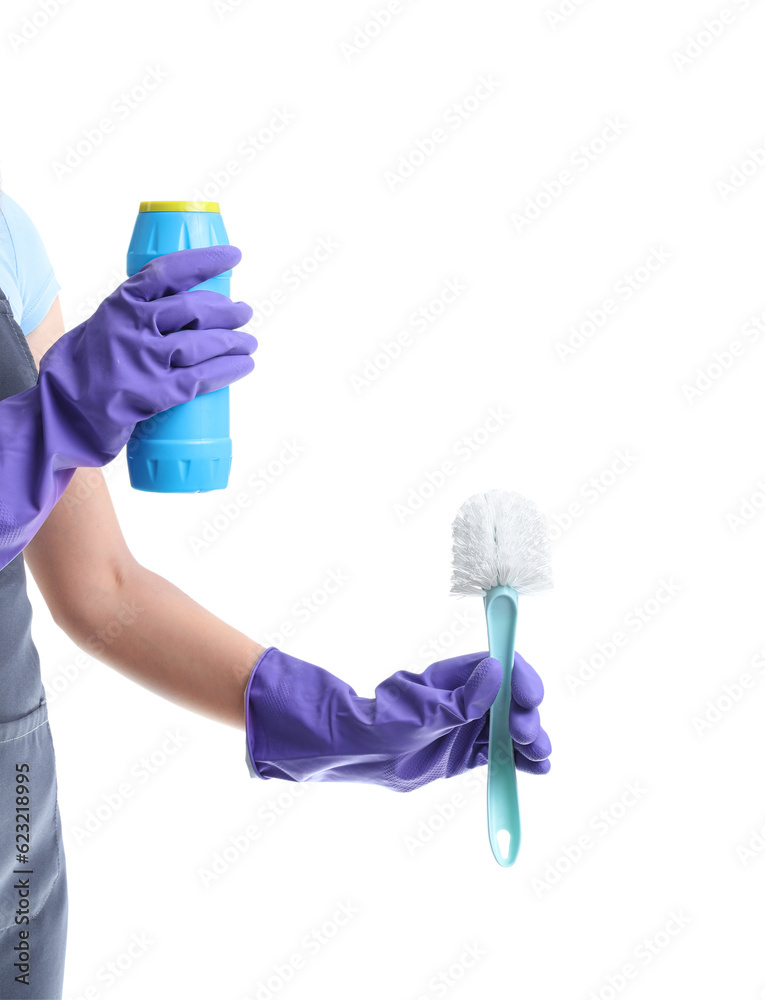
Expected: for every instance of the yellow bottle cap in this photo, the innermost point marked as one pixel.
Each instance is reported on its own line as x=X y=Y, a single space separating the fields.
x=179 y=206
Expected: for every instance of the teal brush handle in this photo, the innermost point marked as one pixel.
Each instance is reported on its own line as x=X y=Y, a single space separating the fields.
x=501 y=604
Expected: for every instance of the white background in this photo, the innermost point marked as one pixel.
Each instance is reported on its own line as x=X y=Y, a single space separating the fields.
x=656 y=715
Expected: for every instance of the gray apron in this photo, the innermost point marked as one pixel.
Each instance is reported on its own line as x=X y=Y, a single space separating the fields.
x=33 y=889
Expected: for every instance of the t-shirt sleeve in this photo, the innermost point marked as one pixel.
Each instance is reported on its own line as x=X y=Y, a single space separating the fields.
x=36 y=281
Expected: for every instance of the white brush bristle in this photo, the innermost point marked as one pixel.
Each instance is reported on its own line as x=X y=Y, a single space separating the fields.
x=500 y=538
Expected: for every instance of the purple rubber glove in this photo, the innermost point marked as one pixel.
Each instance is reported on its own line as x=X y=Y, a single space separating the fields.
x=150 y=345
x=304 y=724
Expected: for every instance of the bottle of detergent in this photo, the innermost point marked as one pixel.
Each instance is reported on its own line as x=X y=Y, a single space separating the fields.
x=186 y=449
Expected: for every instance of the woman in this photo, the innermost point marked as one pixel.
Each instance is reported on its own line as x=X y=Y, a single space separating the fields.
x=151 y=344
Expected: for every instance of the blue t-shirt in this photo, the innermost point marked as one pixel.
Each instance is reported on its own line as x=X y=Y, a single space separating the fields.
x=26 y=273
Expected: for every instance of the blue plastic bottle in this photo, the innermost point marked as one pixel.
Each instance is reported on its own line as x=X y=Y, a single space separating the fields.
x=186 y=449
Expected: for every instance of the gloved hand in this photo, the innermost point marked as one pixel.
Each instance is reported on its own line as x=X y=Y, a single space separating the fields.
x=150 y=345
x=304 y=724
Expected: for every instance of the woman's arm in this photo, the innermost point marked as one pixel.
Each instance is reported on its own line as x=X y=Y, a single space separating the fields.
x=121 y=612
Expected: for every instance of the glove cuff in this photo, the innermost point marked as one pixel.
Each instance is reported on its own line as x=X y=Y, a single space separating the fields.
x=300 y=718
x=250 y=721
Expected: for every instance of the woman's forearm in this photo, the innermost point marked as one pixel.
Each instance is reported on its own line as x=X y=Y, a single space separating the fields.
x=121 y=612
x=152 y=632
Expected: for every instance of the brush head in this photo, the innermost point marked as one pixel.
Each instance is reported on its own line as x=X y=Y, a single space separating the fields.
x=500 y=538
